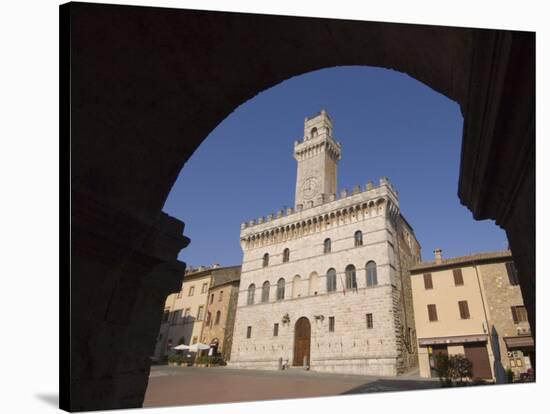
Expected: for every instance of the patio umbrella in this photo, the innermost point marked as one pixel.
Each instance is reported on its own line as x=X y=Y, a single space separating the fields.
x=198 y=347
x=181 y=347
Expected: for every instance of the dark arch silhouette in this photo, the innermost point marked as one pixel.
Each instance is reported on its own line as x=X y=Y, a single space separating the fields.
x=144 y=94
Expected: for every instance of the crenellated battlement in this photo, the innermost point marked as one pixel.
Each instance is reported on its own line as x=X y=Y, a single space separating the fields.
x=369 y=201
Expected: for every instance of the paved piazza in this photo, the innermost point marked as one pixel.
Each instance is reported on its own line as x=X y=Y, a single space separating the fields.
x=191 y=385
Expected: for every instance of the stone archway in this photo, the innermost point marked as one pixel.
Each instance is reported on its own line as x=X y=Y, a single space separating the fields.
x=302 y=342
x=143 y=95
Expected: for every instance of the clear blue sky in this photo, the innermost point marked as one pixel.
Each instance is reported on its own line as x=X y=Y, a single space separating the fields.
x=388 y=124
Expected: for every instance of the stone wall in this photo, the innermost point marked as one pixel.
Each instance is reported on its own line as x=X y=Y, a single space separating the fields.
x=350 y=348
x=500 y=296
x=223 y=330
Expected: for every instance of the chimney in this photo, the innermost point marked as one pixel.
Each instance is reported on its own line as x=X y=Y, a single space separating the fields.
x=437 y=254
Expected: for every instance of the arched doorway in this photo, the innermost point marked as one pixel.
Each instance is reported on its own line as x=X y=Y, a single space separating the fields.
x=302 y=342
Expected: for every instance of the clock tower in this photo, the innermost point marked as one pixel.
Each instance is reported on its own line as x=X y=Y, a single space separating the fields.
x=317 y=157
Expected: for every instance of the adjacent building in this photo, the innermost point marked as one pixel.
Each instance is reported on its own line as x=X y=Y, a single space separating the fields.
x=325 y=284
x=220 y=316
x=471 y=305
x=186 y=312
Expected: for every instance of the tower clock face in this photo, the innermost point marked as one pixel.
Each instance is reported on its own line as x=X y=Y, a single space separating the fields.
x=309 y=188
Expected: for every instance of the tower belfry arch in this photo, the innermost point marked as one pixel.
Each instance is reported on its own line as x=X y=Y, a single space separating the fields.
x=317 y=157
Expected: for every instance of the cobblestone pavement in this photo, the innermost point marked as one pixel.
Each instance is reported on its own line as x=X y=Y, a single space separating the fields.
x=192 y=385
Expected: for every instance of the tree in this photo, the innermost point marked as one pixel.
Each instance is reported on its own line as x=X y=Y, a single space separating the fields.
x=452 y=369
x=442 y=369
x=460 y=368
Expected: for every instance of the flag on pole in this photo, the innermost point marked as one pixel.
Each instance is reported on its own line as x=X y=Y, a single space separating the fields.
x=343 y=285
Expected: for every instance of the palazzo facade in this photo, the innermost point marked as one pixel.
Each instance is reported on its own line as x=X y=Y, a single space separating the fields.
x=325 y=285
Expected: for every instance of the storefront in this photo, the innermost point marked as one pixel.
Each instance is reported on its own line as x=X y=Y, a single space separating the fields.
x=474 y=347
x=519 y=353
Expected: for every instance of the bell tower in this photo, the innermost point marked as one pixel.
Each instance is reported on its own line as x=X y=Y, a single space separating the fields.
x=317 y=157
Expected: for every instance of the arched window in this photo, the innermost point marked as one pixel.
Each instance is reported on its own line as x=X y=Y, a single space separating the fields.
x=297 y=286
x=372 y=279
x=265 y=291
x=265 y=262
x=326 y=246
x=251 y=291
x=331 y=280
x=280 y=289
x=313 y=132
x=218 y=316
x=313 y=283
x=208 y=319
x=358 y=238
x=286 y=255
x=351 y=281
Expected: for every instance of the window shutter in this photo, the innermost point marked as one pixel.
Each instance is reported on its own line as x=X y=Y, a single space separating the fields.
x=464 y=311
x=432 y=313
x=512 y=273
x=514 y=314
x=457 y=273
x=521 y=313
x=428 y=281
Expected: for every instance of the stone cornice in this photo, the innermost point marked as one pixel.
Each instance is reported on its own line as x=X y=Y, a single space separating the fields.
x=373 y=200
x=106 y=232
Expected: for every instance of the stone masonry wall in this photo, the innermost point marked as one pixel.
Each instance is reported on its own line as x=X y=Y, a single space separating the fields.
x=352 y=347
x=408 y=253
x=500 y=296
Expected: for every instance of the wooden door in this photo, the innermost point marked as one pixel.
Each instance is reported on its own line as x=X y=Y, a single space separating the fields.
x=302 y=342
x=476 y=352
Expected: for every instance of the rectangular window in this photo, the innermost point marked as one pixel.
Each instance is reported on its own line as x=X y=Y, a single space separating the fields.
x=191 y=290
x=432 y=313
x=166 y=315
x=464 y=311
x=369 y=321
x=276 y=329
x=512 y=273
x=457 y=274
x=204 y=287
x=519 y=314
x=428 y=281
x=186 y=314
x=331 y=323
x=200 y=313
x=221 y=296
x=248 y=331
x=173 y=317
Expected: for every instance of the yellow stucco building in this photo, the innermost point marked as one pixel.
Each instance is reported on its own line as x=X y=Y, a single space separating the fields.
x=471 y=305
x=186 y=313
